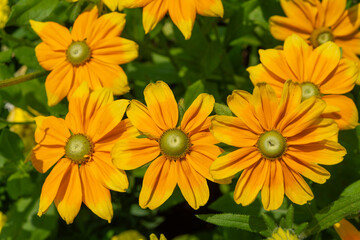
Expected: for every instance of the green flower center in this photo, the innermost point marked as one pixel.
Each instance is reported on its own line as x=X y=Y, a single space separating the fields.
x=308 y=90
x=174 y=144
x=78 y=148
x=78 y=53
x=320 y=36
x=271 y=144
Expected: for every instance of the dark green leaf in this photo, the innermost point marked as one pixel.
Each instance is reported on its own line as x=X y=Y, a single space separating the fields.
x=192 y=92
x=222 y=109
x=11 y=146
x=19 y=184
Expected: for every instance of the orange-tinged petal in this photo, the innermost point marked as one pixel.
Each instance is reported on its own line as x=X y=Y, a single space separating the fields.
x=347 y=117
x=57 y=37
x=265 y=103
x=349 y=22
x=193 y=186
x=109 y=76
x=48 y=58
x=161 y=104
x=83 y=24
x=132 y=153
x=134 y=3
x=333 y=11
x=51 y=131
x=272 y=192
x=198 y=112
x=108 y=25
x=159 y=183
x=183 y=14
x=346 y=230
x=44 y=157
x=324 y=152
x=106 y=172
x=300 y=11
x=95 y=195
x=153 y=12
x=239 y=104
x=100 y=126
x=69 y=196
x=248 y=186
x=52 y=184
x=296 y=189
x=342 y=80
x=211 y=8
x=311 y=171
x=322 y=62
x=112 y=4
x=203 y=138
x=115 y=50
x=59 y=82
x=138 y=115
x=323 y=128
x=84 y=73
x=282 y=27
x=232 y=131
x=228 y=165
x=351 y=43
x=201 y=157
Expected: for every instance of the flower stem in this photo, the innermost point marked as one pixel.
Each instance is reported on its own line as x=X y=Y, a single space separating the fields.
x=14 y=123
x=20 y=79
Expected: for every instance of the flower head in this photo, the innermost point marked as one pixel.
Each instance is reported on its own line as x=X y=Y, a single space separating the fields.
x=281 y=234
x=279 y=140
x=319 y=71
x=79 y=149
x=346 y=230
x=182 y=12
x=179 y=155
x=321 y=21
x=92 y=53
x=4 y=12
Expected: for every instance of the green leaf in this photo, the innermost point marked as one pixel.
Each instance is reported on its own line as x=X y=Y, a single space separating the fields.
x=11 y=146
x=26 y=56
x=222 y=109
x=352 y=189
x=244 y=222
x=332 y=214
x=270 y=223
x=5 y=56
x=289 y=219
x=192 y=92
x=19 y=184
x=24 y=10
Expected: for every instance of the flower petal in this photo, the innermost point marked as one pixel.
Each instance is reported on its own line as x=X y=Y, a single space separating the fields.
x=348 y=23
x=346 y=230
x=333 y=11
x=161 y=104
x=232 y=131
x=131 y=153
x=52 y=184
x=210 y=8
x=183 y=14
x=159 y=183
x=282 y=27
x=44 y=157
x=69 y=196
x=250 y=182
x=272 y=192
x=230 y=164
x=153 y=12
x=95 y=195
x=197 y=113
x=51 y=131
x=300 y=11
x=83 y=24
x=48 y=58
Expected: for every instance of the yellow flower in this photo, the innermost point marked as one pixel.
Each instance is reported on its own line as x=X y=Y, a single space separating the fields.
x=281 y=234
x=129 y=235
x=279 y=140
x=154 y=237
x=319 y=71
x=4 y=12
x=186 y=151
x=79 y=149
x=346 y=230
x=320 y=22
x=90 y=53
x=182 y=13
x=3 y=219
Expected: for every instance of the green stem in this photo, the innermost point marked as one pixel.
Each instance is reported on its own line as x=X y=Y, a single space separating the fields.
x=23 y=78
x=14 y=123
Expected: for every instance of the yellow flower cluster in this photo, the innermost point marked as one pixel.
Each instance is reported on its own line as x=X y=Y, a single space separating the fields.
x=4 y=12
x=283 y=131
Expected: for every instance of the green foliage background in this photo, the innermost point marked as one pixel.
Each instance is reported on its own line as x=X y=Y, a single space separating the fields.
x=214 y=60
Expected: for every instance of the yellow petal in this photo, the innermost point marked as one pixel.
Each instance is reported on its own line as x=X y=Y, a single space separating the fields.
x=153 y=12
x=333 y=10
x=272 y=192
x=193 y=186
x=183 y=14
x=159 y=183
x=282 y=27
x=197 y=113
x=95 y=195
x=348 y=23
x=300 y=11
x=83 y=24
x=48 y=58
x=52 y=184
x=346 y=230
x=132 y=153
x=211 y=8
x=161 y=104
x=44 y=157
x=51 y=131
x=69 y=196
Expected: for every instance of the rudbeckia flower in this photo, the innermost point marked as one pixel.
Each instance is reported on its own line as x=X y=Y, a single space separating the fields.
x=182 y=12
x=79 y=149
x=279 y=140
x=92 y=53
x=319 y=71
x=320 y=22
x=179 y=155
x=281 y=234
x=346 y=230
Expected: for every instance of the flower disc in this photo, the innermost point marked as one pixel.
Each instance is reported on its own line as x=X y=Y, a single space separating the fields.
x=78 y=53
x=78 y=148
x=271 y=144
x=174 y=143
x=321 y=36
x=308 y=90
